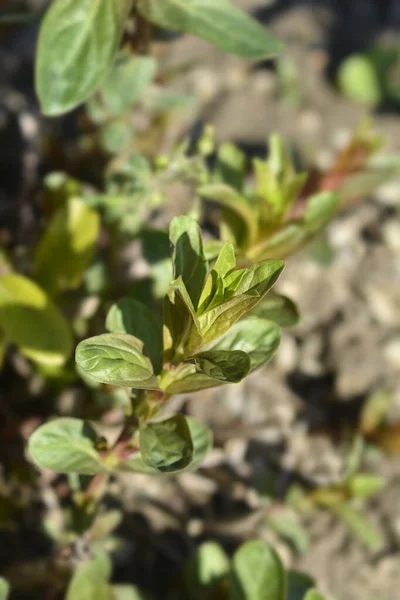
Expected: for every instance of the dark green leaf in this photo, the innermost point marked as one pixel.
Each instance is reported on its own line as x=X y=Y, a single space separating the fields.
x=258 y=278
x=205 y=570
x=67 y=247
x=257 y=573
x=116 y=359
x=167 y=445
x=29 y=319
x=77 y=43
x=66 y=445
x=298 y=585
x=223 y=366
x=127 y=81
x=231 y=165
x=133 y=317
x=217 y=21
x=188 y=256
x=90 y=580
x=277 y=308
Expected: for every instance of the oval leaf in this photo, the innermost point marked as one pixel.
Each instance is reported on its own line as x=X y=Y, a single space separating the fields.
x=314 y=595
x=77 y=43
x=223 y=366
x=67 y=247
x=30 y=320
x=167 y=446
x=116 y=359
x=257 y=573
x=217 y=21
x=67 y=446
x=90 y=579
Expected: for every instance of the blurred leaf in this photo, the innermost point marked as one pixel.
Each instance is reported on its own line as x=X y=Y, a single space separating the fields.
x=217 y=21
x=358 y=80
x=223 y=366
x=4 y=589
x=66 y=445
x=205 y=569
x=127 y=80
x=375 y=411
x=314 y=595
x=277 y=308
x=188 y=256
x=286 y=523
x=321 y=251
x=67 y=247
x=90 y=580
x=298 y=584
x=321 y=208
x=359 y=525
x=167 y=445
x=257 y=573
x=256 y=337
x=105 y=523
x=31 y=321
x=115 y=136
x=231 y=166
x=3 y=348
x=133 y=317
x=363 y=485
x=77 y=43
x=116 y=359
x=128 y=592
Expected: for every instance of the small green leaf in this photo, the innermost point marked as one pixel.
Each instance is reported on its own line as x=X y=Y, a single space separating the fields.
x=4 y=589
x=90 y=579
x=258 y=278
x=205 y=570
x=231 y=166
x=127 y=80
x=202 y=444
x=298 y=585
x=286 y=523
x=359 y=525
x=244 y=232
x=115 y=136
x=321 y=208
x=223 y=366
x=314 y=595
x=363 y=485
x=77 y=43
x=128 y=592
x=188 y=256
x=30 y=320
x=67 y=247
x=116 y=359
x=359 y=81
x=217 y=21
x=66 y=445
x=257 y=573
x=167 y=445
x=133 y=317
x=277 y=308
x=213 y=291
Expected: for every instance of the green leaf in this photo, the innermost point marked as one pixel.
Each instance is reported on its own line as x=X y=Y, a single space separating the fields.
x=133 y=317
x=188 y=256
x=167 y=445
x=31 y=321
x=314 y=595
x=128 y=592
x=258 y=278
x=231 y=166
x=4 y=589
x=277 y=308
x=298 y=585
x=246 y=230
x=202 y=439
x=205 y=570
x=223 y=366
x=363 y=485
x=258 y=338
x=90 y=580
x=3 y=348
x=359 y=525
x=321 y=208
x=217 y=21
x=213 y=291
x=127 y=80
x=115 y=136
x=66 y=445
x=67 y=247
x=116 y=359
x=77 y=44
x=359 y=81
x=286 y=523
x=257 y=573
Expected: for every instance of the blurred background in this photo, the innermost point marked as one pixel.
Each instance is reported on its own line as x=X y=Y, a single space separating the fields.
x=285 y=437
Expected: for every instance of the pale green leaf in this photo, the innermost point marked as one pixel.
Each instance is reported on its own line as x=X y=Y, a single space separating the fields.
x=205 y=569
x=363 y=485
x=220 y=22
x=67 y=246
x=321 y=208
x=66 y=445
x=4 y=589
x=31 y=321
x=167 y=445
x=257 y=573
x=359 y=525
x=77 y=44
x=116 y=359
x=133 y=317
x=314 y=595
x=91 y=579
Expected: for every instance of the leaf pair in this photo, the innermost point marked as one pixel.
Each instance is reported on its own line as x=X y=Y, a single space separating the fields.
x=69 y=445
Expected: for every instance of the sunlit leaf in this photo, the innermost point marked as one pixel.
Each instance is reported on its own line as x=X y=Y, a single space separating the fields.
x=90 y=579
x=257 y=573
